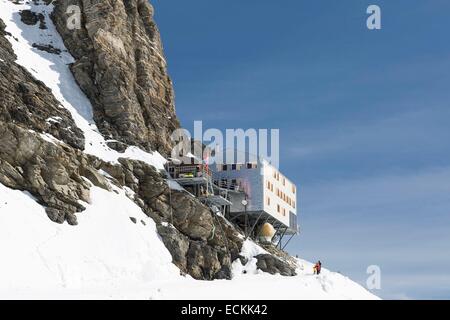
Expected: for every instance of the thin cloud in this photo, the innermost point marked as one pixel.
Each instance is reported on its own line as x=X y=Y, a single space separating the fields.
x=397 y=133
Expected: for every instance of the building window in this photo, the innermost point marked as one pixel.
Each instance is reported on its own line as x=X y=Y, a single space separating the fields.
x=293 y=204
x=224 y=167
x=268 y=185
x=293 y=189
x=252 y=165
x=278 y=208
x=274 y=175
x=268 y=201
x=284 y=181
x=223 y=182
x=233 y=167
x=284 y=212
x=278 y=176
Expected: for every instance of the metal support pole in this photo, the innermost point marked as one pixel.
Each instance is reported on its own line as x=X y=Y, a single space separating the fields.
x=246 y=222
x=235 y=217
x=281 y=237
x=254 y=225
x=276 y=232
x=288 y=241
x=245 y=203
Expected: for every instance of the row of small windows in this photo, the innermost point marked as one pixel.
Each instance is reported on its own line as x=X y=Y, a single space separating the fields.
x=279 y=208
x=236 y=166
x=276 y=175
x=227 y=183
x=281 y=195
x=285 y=198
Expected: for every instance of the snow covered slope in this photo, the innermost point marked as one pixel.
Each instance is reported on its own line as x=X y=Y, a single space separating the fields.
x=108 y=255
x=105 y=248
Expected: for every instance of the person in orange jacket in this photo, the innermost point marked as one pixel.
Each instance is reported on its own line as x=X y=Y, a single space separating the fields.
x=317 y=267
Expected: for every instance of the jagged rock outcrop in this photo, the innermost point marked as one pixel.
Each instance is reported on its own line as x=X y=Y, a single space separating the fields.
x=121 y=67
x=274 y=265
x=27 y=102
x=30 y=117
x=31 y=18
x=50 y=172
x=201 y=243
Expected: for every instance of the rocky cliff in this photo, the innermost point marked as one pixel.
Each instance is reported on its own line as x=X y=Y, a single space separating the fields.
x=120 y=65
x=49 y=149
x=28 y=161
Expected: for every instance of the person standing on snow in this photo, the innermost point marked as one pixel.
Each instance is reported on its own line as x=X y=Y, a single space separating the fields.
x=317 y=267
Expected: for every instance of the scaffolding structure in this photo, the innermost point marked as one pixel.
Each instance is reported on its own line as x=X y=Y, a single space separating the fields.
x=199 y=180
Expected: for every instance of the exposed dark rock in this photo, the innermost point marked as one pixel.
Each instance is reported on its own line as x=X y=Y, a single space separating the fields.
x=202 y=261
x=50 y=172
x=55 y=215
x=47 y=48
x=96 y=178
x=281 y=254
x=120 y=65
x=117 y=145
x=273 y=265
x=202 y=244
x=27 y=102
x=243 y=260
x=176 y=243
x=31 y=18
x=5 y=47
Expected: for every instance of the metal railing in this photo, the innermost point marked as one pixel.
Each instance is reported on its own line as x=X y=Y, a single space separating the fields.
x=189 y=171
x=230 y=186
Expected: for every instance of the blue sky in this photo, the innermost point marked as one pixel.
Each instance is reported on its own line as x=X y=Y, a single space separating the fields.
x=363 y=118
